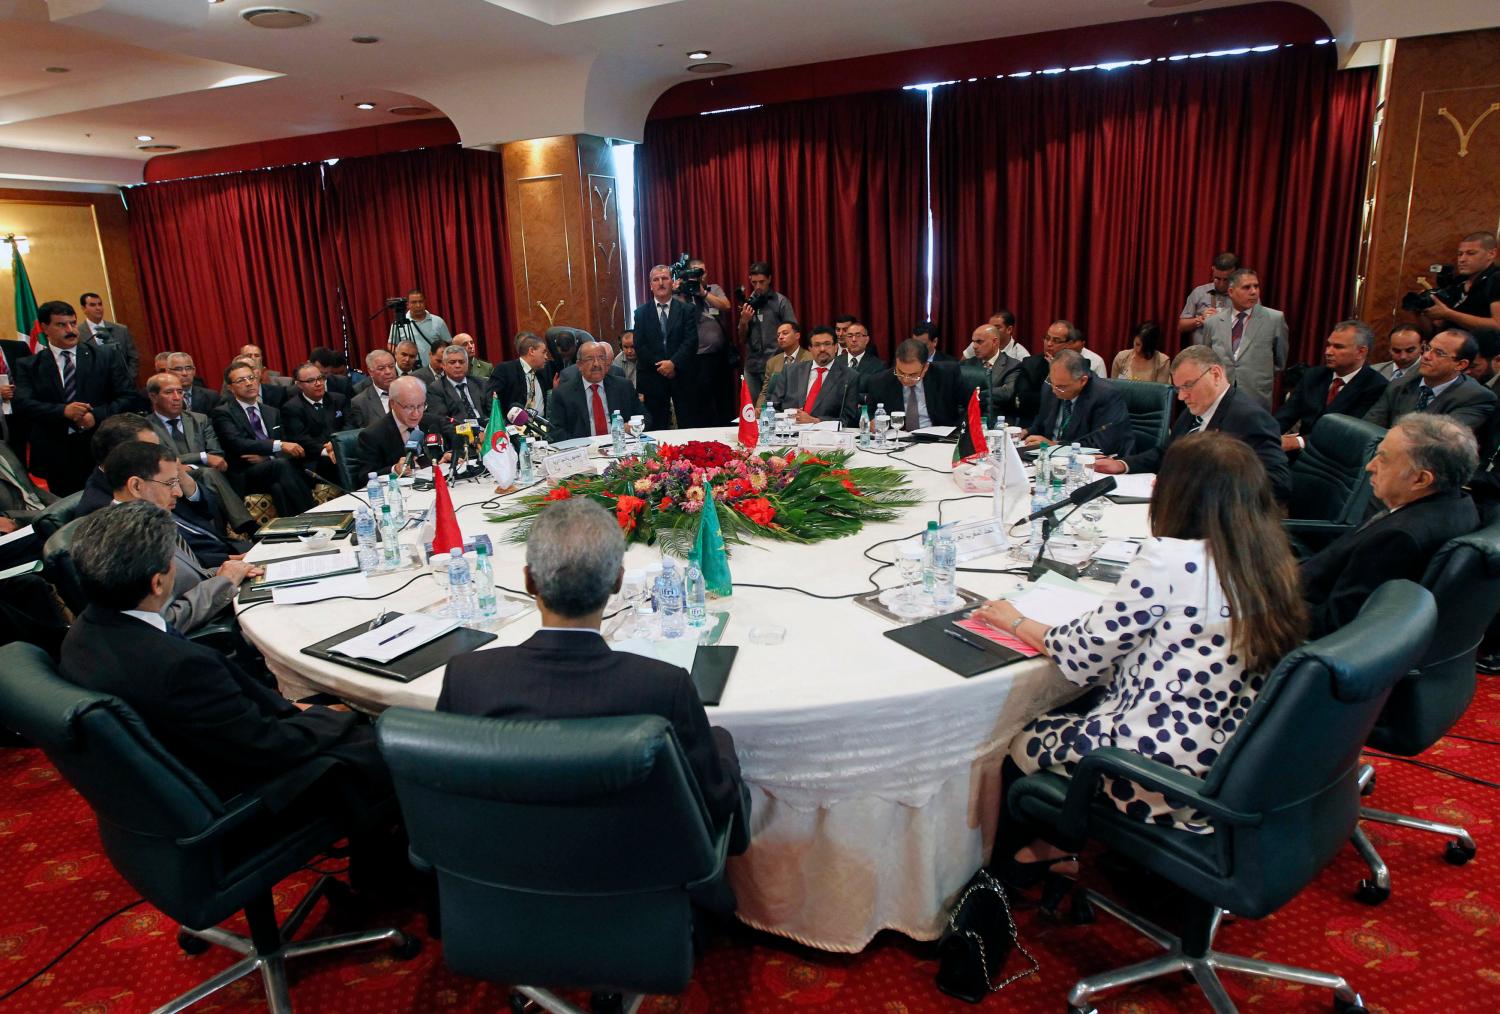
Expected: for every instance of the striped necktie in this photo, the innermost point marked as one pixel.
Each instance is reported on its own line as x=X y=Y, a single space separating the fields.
x=69 y=376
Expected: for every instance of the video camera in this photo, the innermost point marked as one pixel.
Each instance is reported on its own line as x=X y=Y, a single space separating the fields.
x=689 y=279
x=1449 y=288
x=396 y=303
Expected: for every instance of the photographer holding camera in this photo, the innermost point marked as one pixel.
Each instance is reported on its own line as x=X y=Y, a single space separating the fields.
x=1469 y=297
x=764 y=311
x=711 y=402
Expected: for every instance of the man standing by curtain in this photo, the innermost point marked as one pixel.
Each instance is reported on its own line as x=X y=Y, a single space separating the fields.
x=1250 y=338
x=764 y=311
x=666 y=342
x=1207 y=299
x=426 y=329
x=714 y=394
x=107 y=332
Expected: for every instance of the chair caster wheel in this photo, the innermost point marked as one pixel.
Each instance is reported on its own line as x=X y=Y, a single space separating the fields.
x=408 y=948
x=1081 y=910
x=1457 y=853
x=1368 y=787
x=1082 y=1010
x=1371 y=893
x=191 y=944
x=1345 y=1007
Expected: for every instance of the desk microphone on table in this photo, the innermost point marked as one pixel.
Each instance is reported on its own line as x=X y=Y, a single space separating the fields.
x=1080 y=496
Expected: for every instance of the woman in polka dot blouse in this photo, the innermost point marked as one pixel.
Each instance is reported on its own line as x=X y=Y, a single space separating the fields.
x=1174 y=655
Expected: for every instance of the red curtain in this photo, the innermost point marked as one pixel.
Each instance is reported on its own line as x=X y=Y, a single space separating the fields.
x=830 y=192
x=432 y=219
x=226 y=260
x=1101 y=197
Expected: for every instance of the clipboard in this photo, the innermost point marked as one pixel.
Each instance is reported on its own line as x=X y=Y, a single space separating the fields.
x=963 y=656
x=260 y=583
x=338 y=523
x=711 y=667
x=403 y=668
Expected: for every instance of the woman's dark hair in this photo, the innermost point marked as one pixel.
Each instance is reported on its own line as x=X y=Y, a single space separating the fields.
x=1150 y=335
x=1213 y=487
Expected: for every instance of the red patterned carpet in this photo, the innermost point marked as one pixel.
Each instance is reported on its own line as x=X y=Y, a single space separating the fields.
x=1431 y=947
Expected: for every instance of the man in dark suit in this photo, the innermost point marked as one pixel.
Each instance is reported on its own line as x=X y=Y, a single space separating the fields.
x=232 y=732
x=584 y=407
x=382 y=446
x=260 y=461
x=371 y=404
x=1418 y=473
x=931 y=394
x=12 y=426
x=192 y=437
x=1441 y=386
x=927 y=333
x=21 y=500
x=524 y=381
x=1212 y=404
x=311 y=417
x=814 y=387
x=1344 y=384
x=334 y=366
x=108 y=333
x=196 y=395
x=456 y=395
x=857 y=354
x=1078 y=407
x=64 y=391
x=666 y=345
x=574 y=562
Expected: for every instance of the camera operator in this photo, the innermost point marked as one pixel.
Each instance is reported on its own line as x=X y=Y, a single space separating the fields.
x=764 y=311
x=417 y=325
x=711 y=403
x=1472 y=300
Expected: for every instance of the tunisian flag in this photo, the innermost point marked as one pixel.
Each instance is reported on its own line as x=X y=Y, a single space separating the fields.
x=749 y=429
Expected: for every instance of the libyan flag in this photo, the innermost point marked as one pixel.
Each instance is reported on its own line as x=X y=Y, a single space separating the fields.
x=28 y=329
x=971 y=441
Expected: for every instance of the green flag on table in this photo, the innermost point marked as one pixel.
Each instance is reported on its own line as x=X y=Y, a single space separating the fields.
x=713 y=559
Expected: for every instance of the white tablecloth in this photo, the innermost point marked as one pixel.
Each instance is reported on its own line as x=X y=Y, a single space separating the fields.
x=874 y=772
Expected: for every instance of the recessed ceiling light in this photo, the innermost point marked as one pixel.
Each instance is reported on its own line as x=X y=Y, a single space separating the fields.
x=712 y=67
x=699 y=54
x=1171 y=3
x=364 y=105
x=365 y=40
x=276 y=17
x=57 y=70
x=157 y=147
x=144 y=137
x=410 y=110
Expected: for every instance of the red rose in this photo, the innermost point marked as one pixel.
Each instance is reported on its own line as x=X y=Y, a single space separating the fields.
x=666 y=502
x=757 y=509
x=850 y=486
x=559 y=493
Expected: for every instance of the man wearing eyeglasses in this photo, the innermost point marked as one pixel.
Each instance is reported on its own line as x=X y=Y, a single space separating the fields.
x=382 y=445
x=1212 y=404
x=929 y=393
x=1080 y=407
x=1441 y=385
x=260 y=461
x=1019 y=395
x=312 y=416
x=196 y=396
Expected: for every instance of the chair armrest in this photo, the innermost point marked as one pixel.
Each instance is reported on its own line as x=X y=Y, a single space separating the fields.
x=242 y=810
x=1147 y=773
x=721 y=854
x=1314 y=535
x=210 y=630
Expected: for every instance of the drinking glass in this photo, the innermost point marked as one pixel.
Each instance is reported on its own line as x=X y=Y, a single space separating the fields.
x=909 y=569
x=631 y=590
x=898 y=422
x=882 y=424
x=1092 y=512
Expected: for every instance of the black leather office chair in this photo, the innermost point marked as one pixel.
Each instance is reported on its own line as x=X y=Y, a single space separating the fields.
x=46 y=523
x=197 y=858
x=1282 y=798
x=344 y=444
x=568 y=853
x=975 y=376
x=1150 y=407
x=1330 y=487
x=1464 y=578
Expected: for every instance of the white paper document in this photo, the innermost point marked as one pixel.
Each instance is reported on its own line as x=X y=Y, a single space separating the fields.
x=395 y=638
x=1133 y=484
x=306 y=568
x=674 y=651
x=1118 y=551
x=311 y=591
x=941 y=432
x=1055 y=606
x=15 y=536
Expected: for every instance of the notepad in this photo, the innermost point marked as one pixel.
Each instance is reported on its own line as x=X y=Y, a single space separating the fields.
x=298 y=592
x=1134 y=486
x=679 y=651
x=396 y=638
x=1054 y=606
x=310 y=567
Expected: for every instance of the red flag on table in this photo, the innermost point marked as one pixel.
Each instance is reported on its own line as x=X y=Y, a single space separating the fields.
x=445 y=534
x=749 y=429
x=971 y=441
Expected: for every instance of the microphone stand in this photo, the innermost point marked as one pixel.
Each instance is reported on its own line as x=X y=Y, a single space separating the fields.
x=1050 y=524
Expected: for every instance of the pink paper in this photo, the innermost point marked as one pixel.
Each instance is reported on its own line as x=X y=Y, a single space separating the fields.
x=1001 y=638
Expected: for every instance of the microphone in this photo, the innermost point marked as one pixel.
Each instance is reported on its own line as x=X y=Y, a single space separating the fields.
x=1080 y=496
x=533 y=422
x=413 y=444
x=434 y=449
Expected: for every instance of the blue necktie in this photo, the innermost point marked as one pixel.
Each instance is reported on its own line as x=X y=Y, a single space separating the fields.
x=1424 y=397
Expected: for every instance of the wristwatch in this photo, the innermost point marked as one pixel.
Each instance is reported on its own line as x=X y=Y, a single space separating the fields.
x=1015 y=624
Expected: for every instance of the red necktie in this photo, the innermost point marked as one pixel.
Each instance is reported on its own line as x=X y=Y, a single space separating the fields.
x=601 y=424
x=812 y=392
x=1237 y=330
x=1333 y=391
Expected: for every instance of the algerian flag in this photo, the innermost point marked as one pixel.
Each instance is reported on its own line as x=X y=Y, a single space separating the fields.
x=28 y=329
x=499 y=454
x=713 y=559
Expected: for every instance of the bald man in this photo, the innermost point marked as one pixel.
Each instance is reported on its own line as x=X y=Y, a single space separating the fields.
x=382 y=445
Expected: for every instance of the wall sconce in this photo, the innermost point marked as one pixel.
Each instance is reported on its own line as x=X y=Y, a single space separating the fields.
x=21 y=243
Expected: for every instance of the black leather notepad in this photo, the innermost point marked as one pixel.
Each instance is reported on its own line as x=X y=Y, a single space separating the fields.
x=403 y=668
x=711 y=670
x=962 y=655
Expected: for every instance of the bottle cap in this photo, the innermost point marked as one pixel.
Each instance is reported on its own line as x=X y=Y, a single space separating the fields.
x=455 y=551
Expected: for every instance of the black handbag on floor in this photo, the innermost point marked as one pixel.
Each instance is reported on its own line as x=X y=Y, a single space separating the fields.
x=977 y=942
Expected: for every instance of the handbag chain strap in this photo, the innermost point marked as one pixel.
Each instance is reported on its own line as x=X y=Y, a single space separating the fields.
x=986 y=882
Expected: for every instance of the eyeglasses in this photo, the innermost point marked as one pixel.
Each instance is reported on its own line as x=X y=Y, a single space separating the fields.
x=311 y=380
x=415 y=408
x=912 y=377
x=172 y=483
x=243 y=380
x=1438 y=353
x=1185 y=388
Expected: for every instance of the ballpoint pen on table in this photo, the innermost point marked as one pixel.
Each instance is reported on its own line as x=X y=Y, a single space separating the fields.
x=397 y=634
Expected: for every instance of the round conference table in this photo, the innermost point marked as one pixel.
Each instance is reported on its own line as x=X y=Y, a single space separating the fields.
x=874 y=772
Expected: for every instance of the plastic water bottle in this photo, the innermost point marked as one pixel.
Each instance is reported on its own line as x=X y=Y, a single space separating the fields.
x=364 y=537
x=645 y=616
x=461 y=603
x=1075 y=468
x=697 y=593
x=525 y=473
x=390 y=535
x=375 y=494
x=484 y=585
x=944 y=569
x=929 y=537
x=864 y=428
x=669 y=602
x=394 y=498
x=768 y=425
x=617 y=434
x=881 y=423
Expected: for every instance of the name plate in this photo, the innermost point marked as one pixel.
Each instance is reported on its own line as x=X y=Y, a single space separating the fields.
x=975 y=539
x=825 y=440
x=567 y=463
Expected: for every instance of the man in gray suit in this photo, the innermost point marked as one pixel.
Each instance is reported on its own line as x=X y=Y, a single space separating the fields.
x=1405 y=349
x=456 y=395
x=371 y=404
x=816 y=386
x=191 y=436
x=108 y=332
x=1250 y=338
x=21 y=500
x=144 y=471
x=1440 y=385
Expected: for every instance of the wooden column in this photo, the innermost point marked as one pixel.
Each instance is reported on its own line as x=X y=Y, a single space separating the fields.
x=1437 y=179
x=567 y=252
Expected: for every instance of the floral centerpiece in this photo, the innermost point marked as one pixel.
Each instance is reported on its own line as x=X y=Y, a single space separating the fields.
x=793 y=496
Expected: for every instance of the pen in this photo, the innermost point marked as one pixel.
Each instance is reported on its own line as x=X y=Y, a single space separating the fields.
x=397 y=634
x=958 y=635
